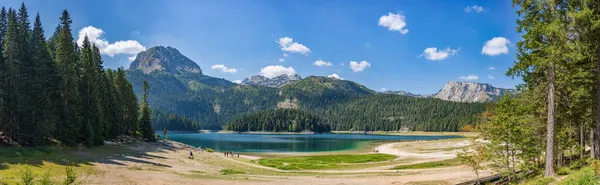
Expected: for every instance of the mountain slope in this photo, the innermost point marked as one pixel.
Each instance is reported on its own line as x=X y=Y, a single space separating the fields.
x=271 y=82
x=470 y=92
x=179 y=87
x=166 y=59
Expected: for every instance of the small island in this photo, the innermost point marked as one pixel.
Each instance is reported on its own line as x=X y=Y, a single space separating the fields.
x=279 y=120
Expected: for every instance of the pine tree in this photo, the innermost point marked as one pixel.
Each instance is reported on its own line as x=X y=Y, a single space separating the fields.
x=66 y=60
x=89 y=104
x=112 y=106
x=145 y=119
x=12 y=77
x=46 y=92
x=128 y=103
x=3 y=25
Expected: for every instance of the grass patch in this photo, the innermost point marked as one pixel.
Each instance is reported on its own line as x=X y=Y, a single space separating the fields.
x=435 y=164
x=585 y=176
x=322 y=161
x=539 y=180
x=231 y=172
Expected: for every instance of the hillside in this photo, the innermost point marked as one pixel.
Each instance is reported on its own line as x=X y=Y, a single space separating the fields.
x=178 y=87
x=279 y=120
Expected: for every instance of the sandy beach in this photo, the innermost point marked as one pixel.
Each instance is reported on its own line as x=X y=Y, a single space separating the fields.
x=167 y=162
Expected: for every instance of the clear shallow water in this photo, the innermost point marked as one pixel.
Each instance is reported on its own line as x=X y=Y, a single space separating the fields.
x=258 y=143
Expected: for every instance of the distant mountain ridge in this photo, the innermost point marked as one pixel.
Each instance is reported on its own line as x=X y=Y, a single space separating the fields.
x=177 y=86
x=166 y=59
x=405 y=93
x=275 y=82
x=459 y=91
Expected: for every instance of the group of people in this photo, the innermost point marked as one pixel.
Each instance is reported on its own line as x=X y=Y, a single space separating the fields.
x=375 y=151
x=230 y=154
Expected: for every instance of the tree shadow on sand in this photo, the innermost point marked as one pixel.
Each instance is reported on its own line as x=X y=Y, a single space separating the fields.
x=78 y=156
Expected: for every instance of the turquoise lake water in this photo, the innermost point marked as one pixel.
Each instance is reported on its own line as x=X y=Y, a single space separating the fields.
x=273 y=143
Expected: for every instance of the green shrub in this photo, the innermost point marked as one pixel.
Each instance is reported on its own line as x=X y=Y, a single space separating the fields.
x=210 y=150
x=71 y=175
x=45 y=180
x=27 y=176
x=231 y=172
x=584 y=176
x=540 y=181
x=564 y=171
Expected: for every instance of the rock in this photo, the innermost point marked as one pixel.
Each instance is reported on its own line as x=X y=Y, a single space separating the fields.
x=164 y=59
x=471 y=92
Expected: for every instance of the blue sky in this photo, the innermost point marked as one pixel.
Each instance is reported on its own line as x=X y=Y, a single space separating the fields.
x=240 y=38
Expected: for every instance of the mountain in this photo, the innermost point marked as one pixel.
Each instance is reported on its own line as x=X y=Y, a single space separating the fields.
x=271 y=82
x=405 y=93
x=191 y=100
x=166 y=59
x=470 y=92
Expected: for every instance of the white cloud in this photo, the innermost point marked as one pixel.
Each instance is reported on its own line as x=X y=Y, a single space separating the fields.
x=383 y=89
x=470 y=77
x=336 y=76
x=224 y=68
x=394 y=22
x=496 y=46
x=322 y=63
x=475 y=8
x=237 y=81
x=281 y=60
x=285 y=55
x=131 y=58
x=288 y=44
x=275 y=71
x=492 y=68
x=491 y=76
x=359 y=66
x=434 y=54
x=119 y=47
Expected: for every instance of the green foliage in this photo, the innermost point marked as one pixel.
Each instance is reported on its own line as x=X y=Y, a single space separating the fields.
x=71 y=177
x=585 y=176
x=279 y=120
x=231 y=172
x=540 y=181
x=171 y=121
x=210 y=150
x=56 y=91
x=435 y=164
x=27 y=177
x=145 y=119
x=322 y=161
x=45 y=178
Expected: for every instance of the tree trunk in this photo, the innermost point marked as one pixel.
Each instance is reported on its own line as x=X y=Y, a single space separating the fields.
x=581 y=140
x=550 y=134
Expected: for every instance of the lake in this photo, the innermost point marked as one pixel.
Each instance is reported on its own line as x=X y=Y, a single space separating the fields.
x=273 y=143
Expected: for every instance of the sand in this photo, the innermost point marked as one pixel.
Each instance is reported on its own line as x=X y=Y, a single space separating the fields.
x=167 y=162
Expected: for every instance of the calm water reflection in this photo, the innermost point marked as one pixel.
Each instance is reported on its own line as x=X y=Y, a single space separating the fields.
x=286 y=142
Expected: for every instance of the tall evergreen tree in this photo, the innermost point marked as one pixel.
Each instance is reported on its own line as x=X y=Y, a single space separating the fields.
x=3 y=25
x=46 y=92
x=128 y=103
x=66 y=60
x=12 y=77
x=87 y=89
x=145 y=119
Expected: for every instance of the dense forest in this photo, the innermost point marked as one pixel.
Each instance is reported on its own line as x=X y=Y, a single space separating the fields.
x=279 y=120
x=54 y=89
x=555 y=115
x=385 y=112
x=171 y=121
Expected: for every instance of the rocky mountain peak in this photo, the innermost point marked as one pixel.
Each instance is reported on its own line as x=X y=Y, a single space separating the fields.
x=165 y=59
x=271 y=82
x=461 y=91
